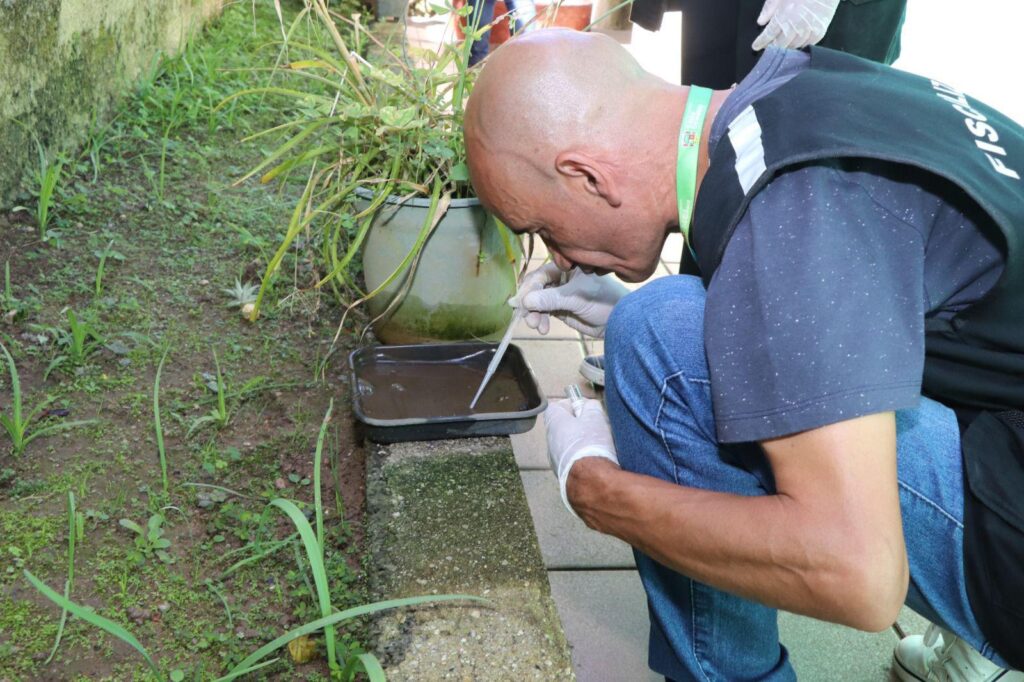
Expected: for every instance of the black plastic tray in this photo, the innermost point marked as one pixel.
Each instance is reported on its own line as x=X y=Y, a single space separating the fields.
x=412 y=427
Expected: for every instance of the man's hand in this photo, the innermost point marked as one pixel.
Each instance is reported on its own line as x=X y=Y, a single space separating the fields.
x=794 y=23
x=584 y=302
x=571 y=438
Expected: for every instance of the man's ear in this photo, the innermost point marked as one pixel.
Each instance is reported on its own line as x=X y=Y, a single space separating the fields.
x=597 y=176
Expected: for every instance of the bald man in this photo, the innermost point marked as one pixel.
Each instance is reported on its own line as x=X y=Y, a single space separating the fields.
x=793 y=430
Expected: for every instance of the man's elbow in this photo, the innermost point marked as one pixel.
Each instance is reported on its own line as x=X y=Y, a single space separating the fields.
x=876 y=588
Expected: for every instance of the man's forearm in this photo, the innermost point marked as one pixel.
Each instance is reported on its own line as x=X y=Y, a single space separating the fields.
x=767 y=548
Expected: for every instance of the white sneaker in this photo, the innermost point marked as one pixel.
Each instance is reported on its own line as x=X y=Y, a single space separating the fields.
x=941 y=656
x=592 y=368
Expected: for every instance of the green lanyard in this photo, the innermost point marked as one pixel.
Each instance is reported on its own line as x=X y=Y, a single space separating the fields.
x=690 y=130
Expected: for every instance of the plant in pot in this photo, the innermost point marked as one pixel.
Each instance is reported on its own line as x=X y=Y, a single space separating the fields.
x=380 y=145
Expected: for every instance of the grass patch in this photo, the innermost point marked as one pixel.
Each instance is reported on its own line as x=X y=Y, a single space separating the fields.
x=145 y=231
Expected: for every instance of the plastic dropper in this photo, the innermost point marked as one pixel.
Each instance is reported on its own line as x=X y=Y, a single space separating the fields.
x=499 y=353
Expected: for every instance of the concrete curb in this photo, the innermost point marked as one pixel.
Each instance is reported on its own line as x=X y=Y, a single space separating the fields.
x=451 y=517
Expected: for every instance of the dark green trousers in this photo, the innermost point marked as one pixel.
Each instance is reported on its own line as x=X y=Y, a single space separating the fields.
x=717 y=34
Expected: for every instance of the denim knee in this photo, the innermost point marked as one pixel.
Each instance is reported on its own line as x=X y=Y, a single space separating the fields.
x=657 y=327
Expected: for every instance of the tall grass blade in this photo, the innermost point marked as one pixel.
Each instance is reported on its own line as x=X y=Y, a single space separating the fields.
x=72 y=536
x=157 y=425
x=348 y=614
x=374 y=670
x=235 y=674
x=317 y=460
x=15 y=427
x=315 y=556
x=222 y=408
x=92 y=618
x=55 y=428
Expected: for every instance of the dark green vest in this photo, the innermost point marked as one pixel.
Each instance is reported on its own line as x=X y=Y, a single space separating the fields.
x=846 y=107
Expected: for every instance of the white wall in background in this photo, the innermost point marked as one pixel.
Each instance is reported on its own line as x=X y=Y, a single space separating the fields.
x=974 y=45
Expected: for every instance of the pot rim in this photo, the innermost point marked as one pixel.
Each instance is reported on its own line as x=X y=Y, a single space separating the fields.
x=418 y=202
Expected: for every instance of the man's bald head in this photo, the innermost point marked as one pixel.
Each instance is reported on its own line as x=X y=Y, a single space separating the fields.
x=551 y=87
x=561 y=132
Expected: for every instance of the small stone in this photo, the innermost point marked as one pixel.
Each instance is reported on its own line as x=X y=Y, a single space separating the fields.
x=164 y=607
x=139 y=615
x=280 y=483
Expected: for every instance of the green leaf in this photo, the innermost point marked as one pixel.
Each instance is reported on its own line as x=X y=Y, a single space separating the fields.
x=396 y=118
x=131 y=525
x=99 y=621
x=347 y=614
x=177 y=675
x=460 y=172
x=386 y=76
x=373 y=668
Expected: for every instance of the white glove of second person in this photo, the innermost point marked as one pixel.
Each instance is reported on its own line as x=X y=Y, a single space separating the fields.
x=794 y=23
x=571 y=438
x=584 y=302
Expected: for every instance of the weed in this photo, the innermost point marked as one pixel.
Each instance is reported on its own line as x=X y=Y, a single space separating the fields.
x=241 y=295
x=158 y=426
x=350 y=660
x=97 y=140
x=248 y=239
x=103 y=255
x=102 y=623
x=254 y=661
x=76 y=529
x=17 y=423
x=219 y=415
x=149 y=541
x=11 y=305
x=75 y=344
x=46 y=179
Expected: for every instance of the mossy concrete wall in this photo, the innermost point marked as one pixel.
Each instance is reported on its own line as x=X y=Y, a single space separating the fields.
x=64 y=62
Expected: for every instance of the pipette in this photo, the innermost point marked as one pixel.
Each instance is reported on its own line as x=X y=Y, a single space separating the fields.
x=499 y=353
x=503 y=346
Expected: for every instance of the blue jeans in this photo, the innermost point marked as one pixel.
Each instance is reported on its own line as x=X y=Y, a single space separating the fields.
x=659 y=403
x=483 y=14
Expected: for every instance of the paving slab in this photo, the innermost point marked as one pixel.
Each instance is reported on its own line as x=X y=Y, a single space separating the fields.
x=593 y=346
x=826 y=651
x=604 y=614
x=565 y=541
x=450 y=517
x=556 y=364
x=912 y=622
x=531 y=448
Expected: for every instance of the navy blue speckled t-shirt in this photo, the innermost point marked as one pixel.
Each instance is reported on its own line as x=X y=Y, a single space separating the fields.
x=816 y=313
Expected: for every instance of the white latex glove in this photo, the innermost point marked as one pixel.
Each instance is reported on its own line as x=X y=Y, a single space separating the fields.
x=794 y=23
x=584 y=302
x=571 y=438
